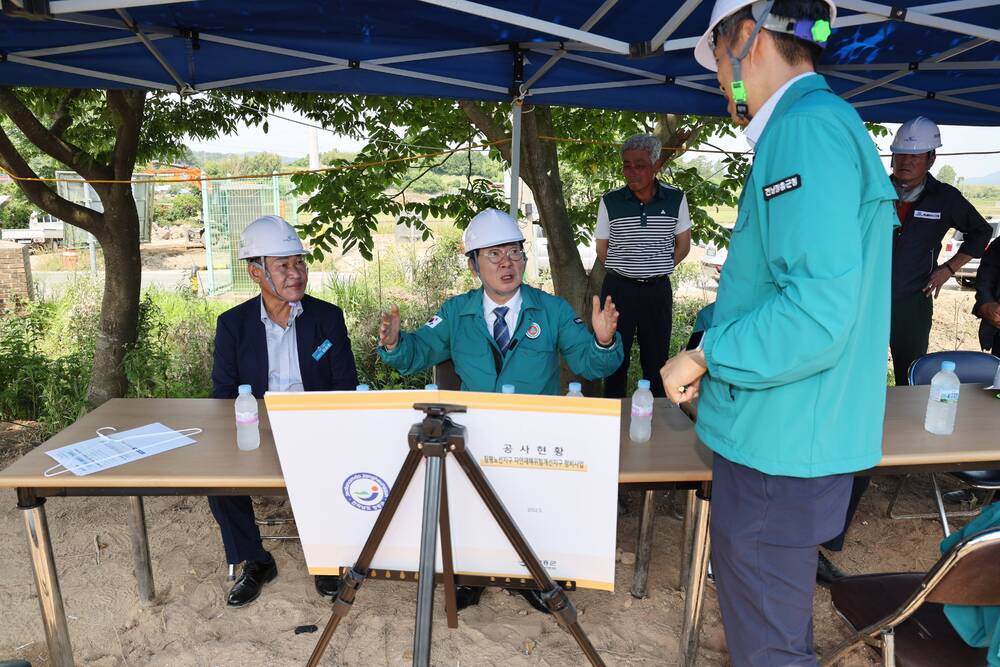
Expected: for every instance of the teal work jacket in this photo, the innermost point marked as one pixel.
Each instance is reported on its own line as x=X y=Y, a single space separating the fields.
x=978 y=626
x=546 y=327
x=797 y=347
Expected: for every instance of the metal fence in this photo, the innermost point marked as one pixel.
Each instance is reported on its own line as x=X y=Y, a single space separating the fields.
x=227 y=208
x=70 y=185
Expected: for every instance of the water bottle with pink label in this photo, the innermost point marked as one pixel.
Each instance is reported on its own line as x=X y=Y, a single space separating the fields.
x=247 y=423
x=640 y=428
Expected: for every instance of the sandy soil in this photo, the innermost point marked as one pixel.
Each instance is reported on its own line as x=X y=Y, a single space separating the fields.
x=188 y=624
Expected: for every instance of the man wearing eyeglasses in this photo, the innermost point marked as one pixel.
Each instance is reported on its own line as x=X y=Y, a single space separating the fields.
x=504 y=333
x=282 y=340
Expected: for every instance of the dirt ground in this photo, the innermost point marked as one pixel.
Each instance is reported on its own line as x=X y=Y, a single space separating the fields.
x=189 y=624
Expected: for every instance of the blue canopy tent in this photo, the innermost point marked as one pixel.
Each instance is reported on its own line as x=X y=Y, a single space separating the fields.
x=892 y=63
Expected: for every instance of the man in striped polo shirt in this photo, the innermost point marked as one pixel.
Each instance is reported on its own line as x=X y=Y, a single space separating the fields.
x=643 y=232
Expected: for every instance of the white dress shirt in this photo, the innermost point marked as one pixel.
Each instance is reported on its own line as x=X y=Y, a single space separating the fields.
x=759 y=120
x=514 y=309
x=283 y=373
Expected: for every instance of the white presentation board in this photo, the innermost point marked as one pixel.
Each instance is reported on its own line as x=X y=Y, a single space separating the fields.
x=552 y=460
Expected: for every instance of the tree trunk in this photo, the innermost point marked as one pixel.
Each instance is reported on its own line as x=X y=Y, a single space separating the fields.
x=117 y=332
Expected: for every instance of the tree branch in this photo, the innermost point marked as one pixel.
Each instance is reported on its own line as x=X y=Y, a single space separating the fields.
x=483 y=121
x=73 y=157
x=62 y=118
x=129 y=106
x=42 y=196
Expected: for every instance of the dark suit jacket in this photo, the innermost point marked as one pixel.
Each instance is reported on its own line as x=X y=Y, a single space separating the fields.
x=241 y=349
x=987 y=291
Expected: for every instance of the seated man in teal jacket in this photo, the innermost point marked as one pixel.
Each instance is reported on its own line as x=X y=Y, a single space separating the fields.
x=504 y=332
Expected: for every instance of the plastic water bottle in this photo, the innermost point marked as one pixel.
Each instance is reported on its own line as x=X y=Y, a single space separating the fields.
x=942 y=404
x=247 y=423
x=507 y=389
x=430 y=387
x=361 y=387
x=575 y=389
x=641 y=424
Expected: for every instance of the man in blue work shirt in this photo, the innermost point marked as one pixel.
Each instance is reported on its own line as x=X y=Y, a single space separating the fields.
x=282 y=340
x=791 y=370
x=504 y=332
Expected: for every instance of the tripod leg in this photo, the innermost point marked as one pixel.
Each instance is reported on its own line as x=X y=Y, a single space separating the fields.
x=553 y=595
x=448 y=573
x=354 y=577
x=428 y=557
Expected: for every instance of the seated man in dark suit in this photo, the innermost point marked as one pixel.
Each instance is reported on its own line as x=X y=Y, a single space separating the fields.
x=988 y=299
x=282 y=340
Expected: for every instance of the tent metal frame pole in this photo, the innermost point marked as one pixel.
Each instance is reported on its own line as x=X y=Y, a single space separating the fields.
x=515 y=155
x=142 y=83
x=433 y=77
x=57 y=7
x=556 y=57
x=431 y=55
x=167 y=67
x=608 y=85
x=925 y=66
x=513 y=18
x=937 y=8
x=910 y=94
x=267 y=48
x=88 y=46
x=675 y=21
x=899 y=74
x=114 y=24
x=917 y=18
x=239 y=81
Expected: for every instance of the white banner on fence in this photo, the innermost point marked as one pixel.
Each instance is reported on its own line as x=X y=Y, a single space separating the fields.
x=552 y=460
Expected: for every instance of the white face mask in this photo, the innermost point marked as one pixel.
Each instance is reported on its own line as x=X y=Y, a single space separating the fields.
x=122 y=449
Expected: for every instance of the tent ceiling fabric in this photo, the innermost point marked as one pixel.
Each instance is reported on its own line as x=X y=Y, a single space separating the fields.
x=940 y=59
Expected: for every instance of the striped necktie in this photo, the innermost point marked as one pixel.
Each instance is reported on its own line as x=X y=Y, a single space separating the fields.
x=500 y=333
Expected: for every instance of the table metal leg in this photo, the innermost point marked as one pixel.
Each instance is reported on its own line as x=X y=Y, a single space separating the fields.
x=644 y=546
x=687 y=538
x=140 y=549
x=46 y=580
x=697 y=572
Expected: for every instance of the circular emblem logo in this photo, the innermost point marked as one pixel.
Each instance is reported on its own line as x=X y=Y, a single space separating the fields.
x=366 y=491
x=534 y=331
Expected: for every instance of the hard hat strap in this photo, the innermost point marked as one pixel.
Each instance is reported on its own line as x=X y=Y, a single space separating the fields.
x=738 y=88
x=262 y=265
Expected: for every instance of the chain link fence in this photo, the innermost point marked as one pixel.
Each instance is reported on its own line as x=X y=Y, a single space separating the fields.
x=227 y=208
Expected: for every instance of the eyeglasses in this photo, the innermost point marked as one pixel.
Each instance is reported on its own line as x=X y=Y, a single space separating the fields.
x=495 y=255
x=297 y=265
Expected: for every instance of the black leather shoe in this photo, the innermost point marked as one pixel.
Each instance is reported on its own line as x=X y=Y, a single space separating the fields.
x=827 y=572
x=327 y=585
x=251 y=580
x=467 y=596
x=533 y=597
x=963 y=497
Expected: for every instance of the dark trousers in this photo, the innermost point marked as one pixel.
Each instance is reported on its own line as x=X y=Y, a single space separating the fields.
x=645 y=310
x=240 y=535
x=858 y=488
x=909 y=332
x=766 y=530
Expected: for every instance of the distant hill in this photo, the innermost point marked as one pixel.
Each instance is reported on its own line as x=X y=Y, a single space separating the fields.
x=201 y=157
x=989 y=179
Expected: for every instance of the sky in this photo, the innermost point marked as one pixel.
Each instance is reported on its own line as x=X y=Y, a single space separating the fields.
x=291 y=139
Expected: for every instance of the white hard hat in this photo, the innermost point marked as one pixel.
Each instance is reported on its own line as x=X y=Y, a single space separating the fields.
x=722 y=10
x=490 y=228
x=269 y=236
x=917 y=135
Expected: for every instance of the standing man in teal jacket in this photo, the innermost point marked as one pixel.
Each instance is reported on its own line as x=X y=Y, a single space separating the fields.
x=791 y=371
x=504 y=332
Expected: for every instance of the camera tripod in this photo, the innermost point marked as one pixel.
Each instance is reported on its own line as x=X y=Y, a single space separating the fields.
x=432 y=440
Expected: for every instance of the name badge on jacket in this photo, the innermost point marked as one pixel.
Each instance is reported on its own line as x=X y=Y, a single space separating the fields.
x=927 y=215
x=321 y=350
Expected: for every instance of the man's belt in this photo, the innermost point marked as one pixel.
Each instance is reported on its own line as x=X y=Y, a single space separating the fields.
x=640 y=281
